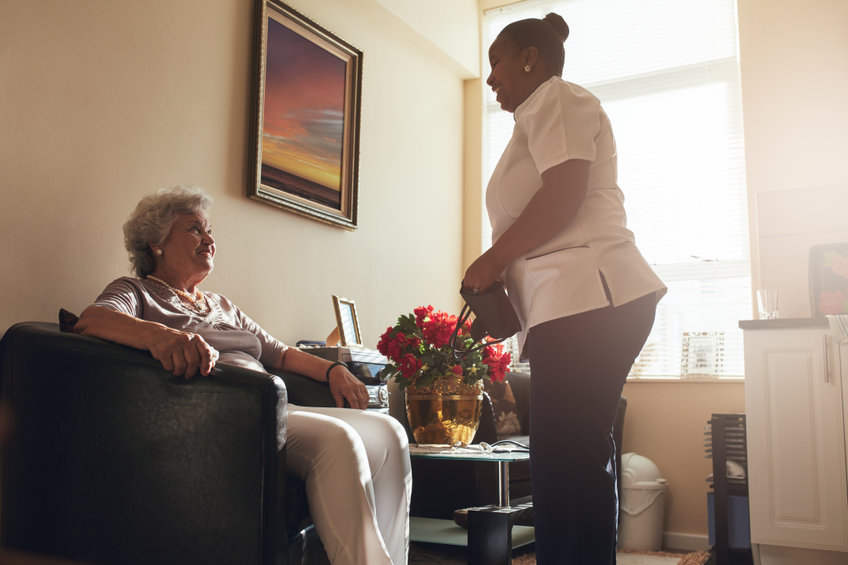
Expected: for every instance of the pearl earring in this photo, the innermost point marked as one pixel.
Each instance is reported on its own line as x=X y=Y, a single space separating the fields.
x=527 y=68
x=159 y=252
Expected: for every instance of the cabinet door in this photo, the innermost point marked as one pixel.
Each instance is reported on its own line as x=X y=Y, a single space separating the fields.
x=796 y=441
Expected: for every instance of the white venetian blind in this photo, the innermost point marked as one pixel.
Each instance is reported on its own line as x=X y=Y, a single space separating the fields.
x=667 y=74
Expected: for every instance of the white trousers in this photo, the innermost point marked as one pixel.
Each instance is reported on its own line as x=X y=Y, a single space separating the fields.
x=358 y=479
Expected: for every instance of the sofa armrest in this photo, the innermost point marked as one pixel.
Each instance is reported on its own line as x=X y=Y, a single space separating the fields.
x=487 y=430
x=304 y=391
x=115 y=460
x=520 y=385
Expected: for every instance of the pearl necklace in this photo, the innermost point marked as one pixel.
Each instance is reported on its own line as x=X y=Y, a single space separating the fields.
x=193 y=299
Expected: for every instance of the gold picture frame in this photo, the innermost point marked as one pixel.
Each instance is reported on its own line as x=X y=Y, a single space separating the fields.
x=347 y=322
x=306 y=88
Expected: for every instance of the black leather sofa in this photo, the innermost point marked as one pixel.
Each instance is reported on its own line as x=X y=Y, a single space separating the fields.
x=112 y=460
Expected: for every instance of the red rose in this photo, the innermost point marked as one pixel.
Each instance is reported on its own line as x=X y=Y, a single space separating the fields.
x=409 y=365
x=438 y=329
x=383 y=344
x=421 y=314
x=498 y=366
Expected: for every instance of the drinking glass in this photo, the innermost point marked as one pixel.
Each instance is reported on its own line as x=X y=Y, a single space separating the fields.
x=767 y=303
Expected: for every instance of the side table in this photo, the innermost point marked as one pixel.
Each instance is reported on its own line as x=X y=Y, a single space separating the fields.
x=489 y=527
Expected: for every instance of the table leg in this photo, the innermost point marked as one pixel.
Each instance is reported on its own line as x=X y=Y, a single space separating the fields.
x=490 y=532
x=489 y=538
x=503 y=480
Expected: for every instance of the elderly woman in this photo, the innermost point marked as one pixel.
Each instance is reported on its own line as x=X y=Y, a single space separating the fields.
x=355 y=463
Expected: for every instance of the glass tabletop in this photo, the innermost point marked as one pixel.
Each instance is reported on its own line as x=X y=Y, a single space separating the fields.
x=473 y=452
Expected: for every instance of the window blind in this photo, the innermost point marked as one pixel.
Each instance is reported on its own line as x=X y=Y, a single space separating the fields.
x=667 y=74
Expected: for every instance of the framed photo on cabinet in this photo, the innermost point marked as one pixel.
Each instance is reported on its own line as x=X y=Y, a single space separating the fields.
x=347 y=322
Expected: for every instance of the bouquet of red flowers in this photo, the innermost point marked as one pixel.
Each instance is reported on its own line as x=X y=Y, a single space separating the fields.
x=420 y=353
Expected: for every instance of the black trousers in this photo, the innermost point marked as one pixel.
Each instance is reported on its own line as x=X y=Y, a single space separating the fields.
x=579 y=365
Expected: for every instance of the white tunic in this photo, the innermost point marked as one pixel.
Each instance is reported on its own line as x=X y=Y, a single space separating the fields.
x=557 y=122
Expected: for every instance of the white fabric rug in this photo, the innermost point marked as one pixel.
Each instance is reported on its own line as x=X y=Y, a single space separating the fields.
x=633 y=558
x=433 y=554
x=641 y=559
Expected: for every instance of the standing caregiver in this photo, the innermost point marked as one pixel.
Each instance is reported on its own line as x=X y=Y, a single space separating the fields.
x=585 y=295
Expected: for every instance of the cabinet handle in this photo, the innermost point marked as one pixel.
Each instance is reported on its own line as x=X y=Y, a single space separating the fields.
x=826 y=361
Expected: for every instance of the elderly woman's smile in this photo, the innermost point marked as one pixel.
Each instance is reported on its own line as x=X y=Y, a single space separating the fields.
x=189 y=248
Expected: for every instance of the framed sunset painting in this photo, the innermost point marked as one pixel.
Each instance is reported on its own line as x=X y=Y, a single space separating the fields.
x=307 y=104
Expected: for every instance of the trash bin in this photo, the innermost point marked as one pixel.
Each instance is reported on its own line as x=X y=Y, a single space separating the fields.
x=642 y=504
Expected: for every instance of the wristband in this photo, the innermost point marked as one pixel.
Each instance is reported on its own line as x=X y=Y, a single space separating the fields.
x=331 y=367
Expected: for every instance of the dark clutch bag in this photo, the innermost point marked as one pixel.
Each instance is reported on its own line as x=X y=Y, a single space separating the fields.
x=494 y=317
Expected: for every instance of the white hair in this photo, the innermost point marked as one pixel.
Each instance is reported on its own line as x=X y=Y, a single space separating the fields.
x=153 y=218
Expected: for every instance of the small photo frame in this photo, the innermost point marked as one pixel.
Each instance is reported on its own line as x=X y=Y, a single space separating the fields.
x=347 y=322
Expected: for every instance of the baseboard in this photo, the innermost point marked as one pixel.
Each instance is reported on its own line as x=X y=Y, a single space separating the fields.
x=685 y=542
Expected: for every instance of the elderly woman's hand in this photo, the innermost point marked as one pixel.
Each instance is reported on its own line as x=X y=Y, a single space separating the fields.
x=183 y=353
x=345 y=386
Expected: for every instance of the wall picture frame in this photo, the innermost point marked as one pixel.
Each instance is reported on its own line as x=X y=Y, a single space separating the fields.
x=347 y=322
x=829 y=279
x=306 y=111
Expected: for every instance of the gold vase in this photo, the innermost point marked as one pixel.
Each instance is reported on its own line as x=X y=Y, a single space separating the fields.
x=446 y=412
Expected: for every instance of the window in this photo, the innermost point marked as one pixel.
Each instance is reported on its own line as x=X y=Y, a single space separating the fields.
x=667 y=74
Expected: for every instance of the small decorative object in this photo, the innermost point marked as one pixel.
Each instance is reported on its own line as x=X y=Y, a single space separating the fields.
x=829 y=279
x=443 y=394
x=347 y=322
x=702 y=354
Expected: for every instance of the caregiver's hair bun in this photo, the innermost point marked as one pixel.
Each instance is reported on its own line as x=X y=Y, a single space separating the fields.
x=560 y=27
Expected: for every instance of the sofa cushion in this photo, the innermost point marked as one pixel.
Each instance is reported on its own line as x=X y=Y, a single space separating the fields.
x=67 y=320
x=507 y=419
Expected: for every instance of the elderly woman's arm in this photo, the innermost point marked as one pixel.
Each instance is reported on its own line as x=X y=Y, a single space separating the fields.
x=343 y=385
x=180 y=353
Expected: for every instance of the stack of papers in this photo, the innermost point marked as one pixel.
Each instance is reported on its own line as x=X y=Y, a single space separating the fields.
x=446 y=449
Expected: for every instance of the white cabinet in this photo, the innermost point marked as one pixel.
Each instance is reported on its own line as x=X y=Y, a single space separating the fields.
x=795 y=412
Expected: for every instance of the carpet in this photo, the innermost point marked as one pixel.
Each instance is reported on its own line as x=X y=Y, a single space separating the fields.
x=639 y=558
x=437 y=554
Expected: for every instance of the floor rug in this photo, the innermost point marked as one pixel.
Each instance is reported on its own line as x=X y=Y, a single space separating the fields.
x=436 y=554
x=640 y=558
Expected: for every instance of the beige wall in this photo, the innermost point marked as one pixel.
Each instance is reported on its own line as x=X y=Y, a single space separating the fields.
x=665 y=422
x=102 y=102
x=794 y=64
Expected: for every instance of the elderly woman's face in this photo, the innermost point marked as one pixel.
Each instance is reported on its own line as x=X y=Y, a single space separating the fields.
x=189 y=247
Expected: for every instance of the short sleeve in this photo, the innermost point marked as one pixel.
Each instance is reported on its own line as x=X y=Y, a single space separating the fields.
x=272 y=349
x=122 y=296
x=561 y=124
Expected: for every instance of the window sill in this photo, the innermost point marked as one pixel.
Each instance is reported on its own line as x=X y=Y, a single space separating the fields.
x=687 y=380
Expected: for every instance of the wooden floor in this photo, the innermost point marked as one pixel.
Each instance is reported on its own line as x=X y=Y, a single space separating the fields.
x=437 y=554
x=434 y=554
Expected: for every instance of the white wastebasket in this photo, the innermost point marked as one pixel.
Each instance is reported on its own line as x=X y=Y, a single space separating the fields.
x=642 y=504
